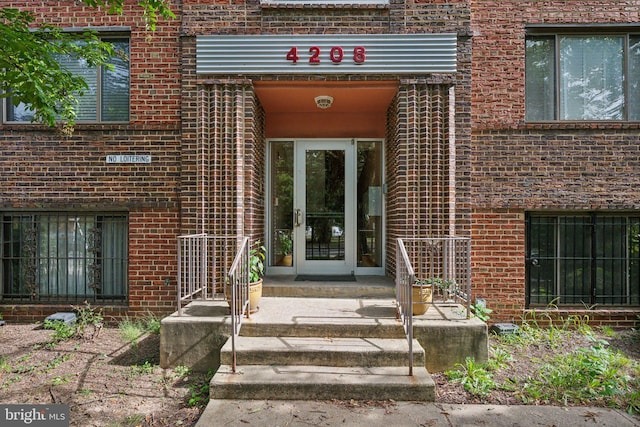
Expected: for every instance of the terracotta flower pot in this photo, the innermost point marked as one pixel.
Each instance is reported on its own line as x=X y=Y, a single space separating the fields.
x=422 y=299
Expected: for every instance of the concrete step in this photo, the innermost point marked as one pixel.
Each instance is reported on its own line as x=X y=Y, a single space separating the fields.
x=285 y=382
x=365 y=352
x=339 y=329
x=362 y=289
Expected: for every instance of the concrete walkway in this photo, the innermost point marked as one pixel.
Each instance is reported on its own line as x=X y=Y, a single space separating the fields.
x=385 y=414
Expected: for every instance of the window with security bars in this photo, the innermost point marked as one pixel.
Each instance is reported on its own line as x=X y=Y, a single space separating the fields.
x=64 y=257
x=106 y=98
x=583 y=259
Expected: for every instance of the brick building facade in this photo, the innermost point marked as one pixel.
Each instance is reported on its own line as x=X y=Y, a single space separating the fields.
x=453 y=150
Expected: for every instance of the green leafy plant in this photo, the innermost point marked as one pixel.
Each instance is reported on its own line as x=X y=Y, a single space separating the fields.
x=285 y=243
x=199 y=391
x=481 y=311
x=152 y=323
x=257 y=256
x=89 y=321
x=144 y=369
x=588 y=375
x=131 y=330
x=59 y=380
x=474 y=377
x=61 y=330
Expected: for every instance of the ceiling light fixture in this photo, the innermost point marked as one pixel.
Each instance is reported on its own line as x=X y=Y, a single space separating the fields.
x=324 y=101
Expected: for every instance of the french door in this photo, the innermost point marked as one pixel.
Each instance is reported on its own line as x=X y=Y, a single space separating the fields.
x=325 y=210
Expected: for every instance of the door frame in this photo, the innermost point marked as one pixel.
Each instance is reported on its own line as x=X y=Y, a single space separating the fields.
x=351 y=263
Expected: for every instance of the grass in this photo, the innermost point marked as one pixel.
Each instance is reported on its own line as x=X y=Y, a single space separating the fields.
x=593 y=374
x=132 y=329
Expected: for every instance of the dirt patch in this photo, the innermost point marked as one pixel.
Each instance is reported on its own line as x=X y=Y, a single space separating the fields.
x=108 y=382
x=105 y=381
x=526 y=362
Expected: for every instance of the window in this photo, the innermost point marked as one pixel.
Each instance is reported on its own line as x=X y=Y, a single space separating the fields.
x=583 y=259
x=583 y=77
x=63 y=257
x=107 y=96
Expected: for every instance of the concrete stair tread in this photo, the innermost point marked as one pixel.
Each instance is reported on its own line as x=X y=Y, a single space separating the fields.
x=322 y=351
x=304 y=382
x=322 y=343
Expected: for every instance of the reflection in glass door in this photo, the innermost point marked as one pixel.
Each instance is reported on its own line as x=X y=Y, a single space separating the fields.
x=326 y=207
x=281 y=192
x=324 y=220
x=324 y=214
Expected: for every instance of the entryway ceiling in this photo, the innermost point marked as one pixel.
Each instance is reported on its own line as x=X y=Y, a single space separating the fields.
x=348 y=97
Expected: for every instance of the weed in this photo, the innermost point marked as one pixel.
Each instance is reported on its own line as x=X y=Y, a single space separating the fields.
x=481 y=311
x=199 y=396
x=594 y=374
x=152 y=324
x=182 y=371
x=89 y=322
x=57 y=361
x=499 y=359
x=474 y=377
x=61 y=330
x=144 y=369
x=4 y=364
x=131 y=330
x=58 y=380
x=128 y=421
x=607 y=331
x=84 y=392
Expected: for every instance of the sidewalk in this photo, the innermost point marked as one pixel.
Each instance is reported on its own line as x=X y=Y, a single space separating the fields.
x=384 y=414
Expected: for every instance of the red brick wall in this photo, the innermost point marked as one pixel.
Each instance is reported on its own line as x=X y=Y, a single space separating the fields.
x=41 y=170
x=517 y=166
x=497 y=261
x=155 y=60
x=498 y=49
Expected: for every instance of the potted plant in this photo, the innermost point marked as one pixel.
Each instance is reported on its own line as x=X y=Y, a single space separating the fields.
x=257 y=257
x=422 y=296
x=285 y=246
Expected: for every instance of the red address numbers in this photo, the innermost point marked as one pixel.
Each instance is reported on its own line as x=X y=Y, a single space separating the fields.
x=336 y=55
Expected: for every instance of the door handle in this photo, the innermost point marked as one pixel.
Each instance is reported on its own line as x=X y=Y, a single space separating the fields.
x=297 y=217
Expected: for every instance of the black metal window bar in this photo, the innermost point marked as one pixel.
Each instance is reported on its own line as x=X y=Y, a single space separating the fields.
x=584 y=260
x=64 y=257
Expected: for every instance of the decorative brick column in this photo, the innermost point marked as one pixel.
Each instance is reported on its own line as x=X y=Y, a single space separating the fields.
x=420 y=164
x=226 y=164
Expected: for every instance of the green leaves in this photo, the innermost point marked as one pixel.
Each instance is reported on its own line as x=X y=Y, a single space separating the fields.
x=153 y=9
x=30 y=73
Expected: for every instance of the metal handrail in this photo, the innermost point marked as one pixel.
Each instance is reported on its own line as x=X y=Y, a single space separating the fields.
x=238 y=281
x=192 y=267
x=404 y=295
x=444 y=263
x=203 y=264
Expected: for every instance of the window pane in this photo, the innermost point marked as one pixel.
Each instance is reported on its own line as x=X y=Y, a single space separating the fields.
x=634 y=78
x=542 y=260
x=18 y=113
x=282 y=208
x=115 y=85
x=86 y=107
x=611 y=252
x=591 y=78
x=540 y=79
x=575 y=259
x=633 y=238
x=64 y=257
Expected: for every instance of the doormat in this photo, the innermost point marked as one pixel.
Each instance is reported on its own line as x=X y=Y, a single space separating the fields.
x=325 y=278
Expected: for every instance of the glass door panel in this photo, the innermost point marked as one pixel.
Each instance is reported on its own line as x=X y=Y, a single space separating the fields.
x=281 y=192
x=325 y=205
x=324 y=209
x=369 y=203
